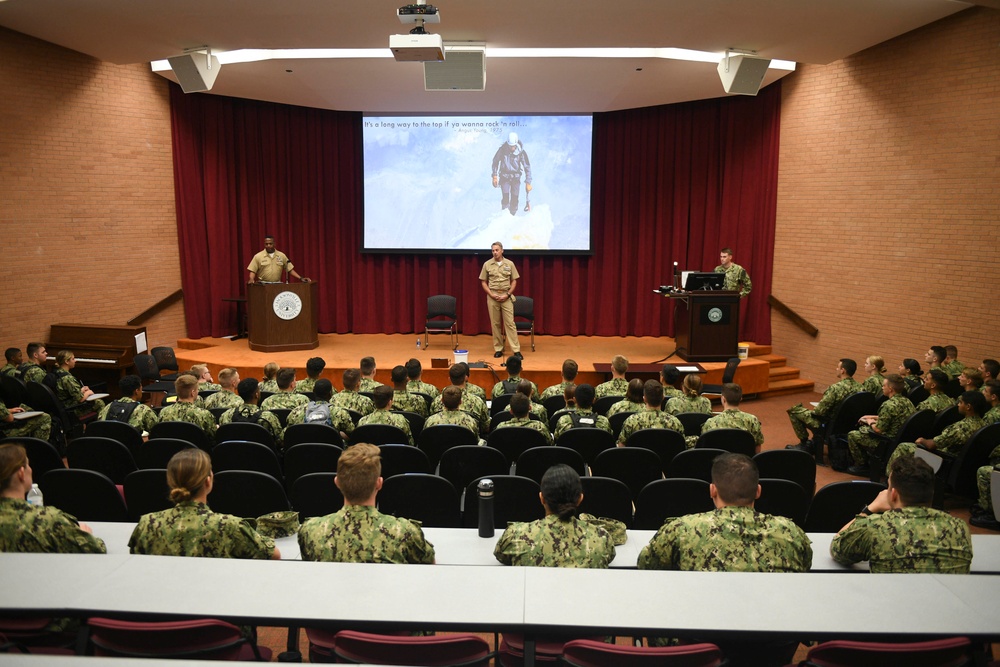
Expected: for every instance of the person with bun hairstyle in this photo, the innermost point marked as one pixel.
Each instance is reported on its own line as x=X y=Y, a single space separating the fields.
x=190 y=528
x=875 y=367
x=692 y=400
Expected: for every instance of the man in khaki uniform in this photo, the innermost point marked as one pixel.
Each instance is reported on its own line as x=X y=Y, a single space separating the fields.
x=499 y=278
x=269 y=264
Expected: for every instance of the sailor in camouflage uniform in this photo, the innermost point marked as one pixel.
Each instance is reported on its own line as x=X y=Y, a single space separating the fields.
x=561 y=539
x=190 y=528
x=470 y=403
x=632 y=402
x=402 y=399
x=34 y=427
x=890 y=418
x=651 y=417
x=451 y=412
x=33 y=370
x=14 y=359
x=349 y=398
x=285 y=398
x=585 y=413
x=143 y=417
x=384 y=415
x=229 y=378
x=692 y=400
x=935 y=381
x=617 y=385
x=669 y=376
x=951 y=365
x=249 y=391
x=27 y=528
x=269 y=383
x=184 y=410
x=732 y=417
x=368 y=381
x=416 y=384
x=737 y=279
x=972 y=405
x=314 y=366
x=519 y=406
x=205 y=381
x=70 y=391
x=991 y=391
x=570 y=369
x=339 y=419
x=803 y=419
x=359 y=533
x=899 y=532
x=982 y=511
x=527 y=389
x=470 y=388
x=509 y=386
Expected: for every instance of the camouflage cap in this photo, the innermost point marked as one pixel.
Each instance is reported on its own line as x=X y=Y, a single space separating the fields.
x=614 y=527
x=278 y=524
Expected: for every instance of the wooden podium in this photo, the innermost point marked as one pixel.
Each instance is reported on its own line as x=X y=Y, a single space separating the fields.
x=707 y=325
x=283 y=316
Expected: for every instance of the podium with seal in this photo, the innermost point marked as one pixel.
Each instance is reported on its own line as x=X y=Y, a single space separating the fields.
x=707 y=325
x=283 y=316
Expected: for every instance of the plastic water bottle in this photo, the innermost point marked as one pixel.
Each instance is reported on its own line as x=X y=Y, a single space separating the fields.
x=35 y=496
x=418 y=342
x=485 y=508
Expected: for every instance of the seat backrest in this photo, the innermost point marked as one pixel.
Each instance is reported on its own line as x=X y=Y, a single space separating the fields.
x=524 y=307
x=591 y=653
x=837 y=503
x=514 y=499
x=499 y=418
x=41 y=397
x=693 y=421
x=535 y=461
x=281 y=414
x=845 y=418
x=246 y=455
x=606 y=497
x=694 y=463
x=791 y=464
x=158 y=452
x=918 y=425
x=86 y=494
x=430 y=499
x=441 y=305
x=664 y=442
x=918 y=394
x=103 y=455
x=120 y=431
x=306 y=457
x=182 y=431
x=435 y=440
x=200 y=638
x=379 y=434
x=146 y=491
x=944 y=419
x=315 y=494
x=953 y=388
x=464 y=463
x=730 y=372
x=247 y=493
x=13 y=391
x=617 y=421
x=783 y=497
x=247 y=432
x=634 y=466
x=954 y=652
x=297 y=433
x=401 y=459
x=513 y=441
x=361 y=647
x=604 y=403
x=499 y=403
x=975 y=454
x=415 y=421
x=41 y=454
x=730 y=439
x=669 y=498
x=554 y=404
x=589 y=441
x=165 y=358
x=146 y=367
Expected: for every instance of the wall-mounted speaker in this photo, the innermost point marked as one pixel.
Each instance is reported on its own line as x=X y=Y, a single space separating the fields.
x=464 y=68
x=742 y=74
x=193 y=72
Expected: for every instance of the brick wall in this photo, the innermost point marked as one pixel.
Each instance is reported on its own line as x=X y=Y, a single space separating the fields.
x=888 y=217
x=86 y=193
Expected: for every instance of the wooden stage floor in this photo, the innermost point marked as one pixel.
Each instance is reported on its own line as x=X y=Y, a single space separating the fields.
x=343 y=351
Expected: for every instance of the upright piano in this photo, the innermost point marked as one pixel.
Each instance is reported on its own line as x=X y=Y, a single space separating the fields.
x=103 y=353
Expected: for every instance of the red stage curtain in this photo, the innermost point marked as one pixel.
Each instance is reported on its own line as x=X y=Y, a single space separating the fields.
x=671 y=183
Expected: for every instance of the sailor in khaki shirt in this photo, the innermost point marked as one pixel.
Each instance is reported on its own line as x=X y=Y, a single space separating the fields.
x=499 y=278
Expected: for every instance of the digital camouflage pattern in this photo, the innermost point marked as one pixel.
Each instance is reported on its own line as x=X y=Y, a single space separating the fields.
x=550 y=542
x=390 y=419
x=209 y=386
x=556 y=390
x=624 y=405
x=992 y=415
x=613 y=387
x=984 y=476
x=421 y=387
x=565 y=422
x=268 y=385
x=191 y=413
x=951 y=440
x=223 y=399
x=873 y=384
x=29 y=529
x=404 y=401
x=835 y=394
x=33 y=373
x=284 y=400
x=936 y=402
x=36 y=427
x=303 y=386
x=362 y=534
x=69 y=391
x=737 y=279
x=728 y=539
x=685 y=403
x=339 y=418
x=891 y=416
x=470 y=404
x=8 y=369
x=456 y=417
x=670 y=392
x=143 y=418
x=953 y=368
x=528 y=422
x=474 y=390
x=735 y=418
x=352 y=400
x=192 y=529
x=500 y=390
x=536 y=409
x=649 y=419
x=368 y=384
x=908 y=539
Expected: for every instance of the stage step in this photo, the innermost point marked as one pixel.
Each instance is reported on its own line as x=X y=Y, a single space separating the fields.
x=783 y=387
x=782 y=378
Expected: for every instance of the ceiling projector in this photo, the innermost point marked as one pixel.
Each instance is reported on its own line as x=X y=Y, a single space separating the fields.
x=417 y=47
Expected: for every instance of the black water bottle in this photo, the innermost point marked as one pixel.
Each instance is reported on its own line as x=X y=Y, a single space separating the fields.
x=485 y=508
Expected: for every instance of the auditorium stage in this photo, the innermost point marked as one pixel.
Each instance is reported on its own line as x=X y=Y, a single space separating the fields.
x=342 y=351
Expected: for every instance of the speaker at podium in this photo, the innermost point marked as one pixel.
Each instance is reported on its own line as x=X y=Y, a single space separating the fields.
x=283 y=316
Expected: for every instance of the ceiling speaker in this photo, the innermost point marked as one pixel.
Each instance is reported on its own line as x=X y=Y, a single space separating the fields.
x=464 y=68
x=745 y=74
x=193 y=73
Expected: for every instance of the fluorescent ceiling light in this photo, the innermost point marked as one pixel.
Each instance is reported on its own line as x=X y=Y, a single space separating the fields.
x=257 y=55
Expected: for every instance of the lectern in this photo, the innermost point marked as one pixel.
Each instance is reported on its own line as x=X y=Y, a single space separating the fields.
x=283 y=316
x=707 y=325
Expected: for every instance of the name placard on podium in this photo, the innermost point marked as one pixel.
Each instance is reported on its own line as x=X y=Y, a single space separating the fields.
x=707 y=325
x=283 y=316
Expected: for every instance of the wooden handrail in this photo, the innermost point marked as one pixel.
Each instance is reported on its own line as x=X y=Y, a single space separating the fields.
x=797 y=319
x=156 y=307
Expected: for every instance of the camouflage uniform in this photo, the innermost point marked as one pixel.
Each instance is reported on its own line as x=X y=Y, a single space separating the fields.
x=143 y=418
x=736 y=279
x=735 y=418
x=984 y=475
x=728 y=539
x=368 y=384
x=390 y=419
x=891 y=415
x=303 y=386
x=284 y=400
x=908 y=539
x=565 y=422
x=9 y=369
x=421 y=387
x=268 y=420
x=191 y=529
x=209 y=386
x=339 y=418
x=953 y=368
x=29 y=529
x=361 y=534
x=456 y=417
x=36 y=427
x=686 y=403
x=538 y=410
x=189 y=412
x=500 y=390
x=992 y=416
x=223 y=399
x=69 y=391
x=873 y=385
x=625 y=405
x=528 y=422
x=269 y=385
x=404 y=401
x=613 y=387
x=550 y=542
x=474 y=390
x=936 y=402
x=33 y=373
x=951 y=440
x=648 y=419
x=670 y=392
x=352 y=400
x=469 y=404
x=832 y=398
x=556 y=390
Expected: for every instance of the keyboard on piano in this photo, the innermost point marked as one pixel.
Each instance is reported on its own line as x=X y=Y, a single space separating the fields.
x=103 y=353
